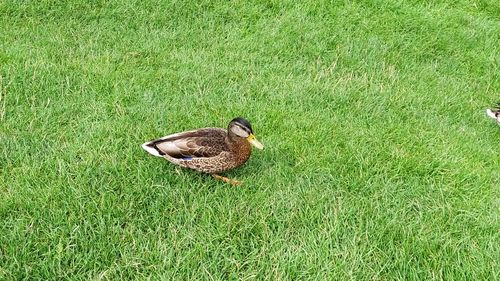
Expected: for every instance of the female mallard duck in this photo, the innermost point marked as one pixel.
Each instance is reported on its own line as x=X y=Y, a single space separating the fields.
x=208 y=150
x=494 y=113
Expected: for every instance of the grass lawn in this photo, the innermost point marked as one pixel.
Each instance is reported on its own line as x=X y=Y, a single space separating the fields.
x=380 y=163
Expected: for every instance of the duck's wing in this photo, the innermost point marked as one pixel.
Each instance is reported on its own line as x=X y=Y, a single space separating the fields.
x=207 y=142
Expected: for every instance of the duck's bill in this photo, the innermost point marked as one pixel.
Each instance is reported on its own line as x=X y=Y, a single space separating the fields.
x=252 y=140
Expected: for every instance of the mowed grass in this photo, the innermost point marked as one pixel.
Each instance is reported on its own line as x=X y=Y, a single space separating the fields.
x=379 y=163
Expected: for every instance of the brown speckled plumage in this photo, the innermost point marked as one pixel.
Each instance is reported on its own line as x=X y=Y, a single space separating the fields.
x=208 y=150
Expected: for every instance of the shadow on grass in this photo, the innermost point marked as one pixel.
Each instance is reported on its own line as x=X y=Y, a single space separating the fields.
x=266 y=163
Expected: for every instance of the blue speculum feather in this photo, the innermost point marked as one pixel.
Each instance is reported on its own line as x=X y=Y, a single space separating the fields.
x=187 y=158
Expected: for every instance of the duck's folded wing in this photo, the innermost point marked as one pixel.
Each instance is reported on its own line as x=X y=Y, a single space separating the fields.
x=188 y=145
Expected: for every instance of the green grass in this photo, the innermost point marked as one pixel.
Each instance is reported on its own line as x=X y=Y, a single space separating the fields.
x=379 y=163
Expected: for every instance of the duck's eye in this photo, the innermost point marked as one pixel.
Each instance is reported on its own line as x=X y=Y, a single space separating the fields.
x=239 y=131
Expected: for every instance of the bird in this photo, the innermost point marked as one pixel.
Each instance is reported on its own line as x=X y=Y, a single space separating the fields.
x=208 y=150
x=494 y=113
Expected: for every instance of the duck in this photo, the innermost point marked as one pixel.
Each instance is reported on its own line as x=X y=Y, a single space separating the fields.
x=494 y=113
x=208 y=150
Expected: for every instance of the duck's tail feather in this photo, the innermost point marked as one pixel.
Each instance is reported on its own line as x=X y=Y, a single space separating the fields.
x=490 y=113
x=151 y=148
x=494 y=112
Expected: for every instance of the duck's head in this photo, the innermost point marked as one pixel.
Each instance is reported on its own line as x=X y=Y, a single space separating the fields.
x=241 y=128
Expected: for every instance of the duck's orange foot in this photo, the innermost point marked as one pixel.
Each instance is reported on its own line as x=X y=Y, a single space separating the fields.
x=227 y=180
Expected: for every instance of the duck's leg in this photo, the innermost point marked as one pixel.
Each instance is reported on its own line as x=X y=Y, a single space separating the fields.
x=227 y=180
